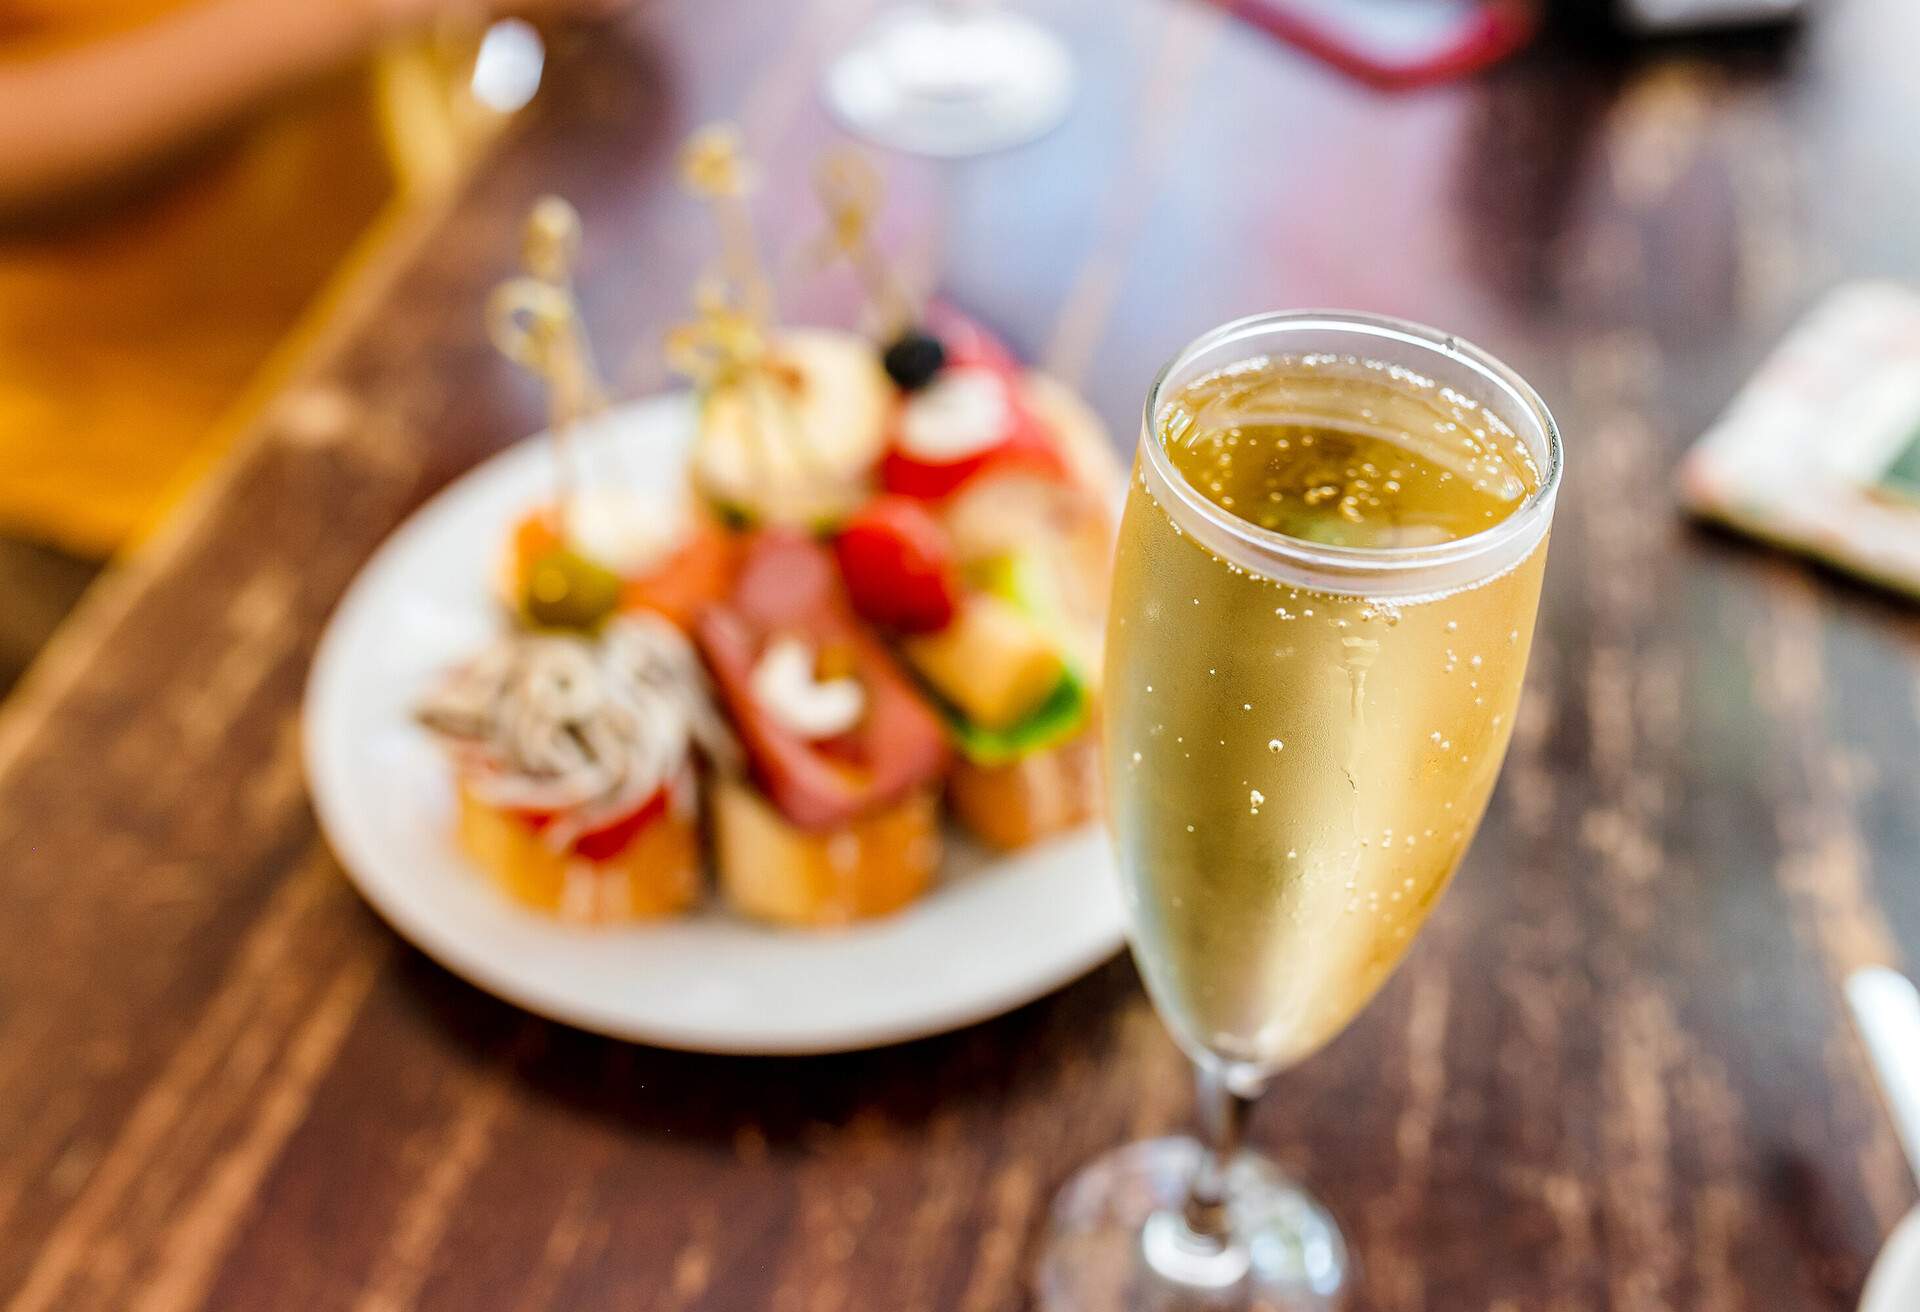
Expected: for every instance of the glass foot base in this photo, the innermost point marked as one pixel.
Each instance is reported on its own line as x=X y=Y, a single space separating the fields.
x=946 y=79
x=1117 y=1239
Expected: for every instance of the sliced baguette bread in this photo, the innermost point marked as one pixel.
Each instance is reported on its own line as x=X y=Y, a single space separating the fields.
x=1036 y=797
x=655 y=875
x=771 y=870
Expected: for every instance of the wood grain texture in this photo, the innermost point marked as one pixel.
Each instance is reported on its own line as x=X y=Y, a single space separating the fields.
x=1615 y=1074
x=41 y=585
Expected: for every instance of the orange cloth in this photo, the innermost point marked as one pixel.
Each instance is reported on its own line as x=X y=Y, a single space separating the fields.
x=36 y=25
x=126 y=335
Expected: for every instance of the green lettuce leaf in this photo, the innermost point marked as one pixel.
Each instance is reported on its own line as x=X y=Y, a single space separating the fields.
x=1062 y=715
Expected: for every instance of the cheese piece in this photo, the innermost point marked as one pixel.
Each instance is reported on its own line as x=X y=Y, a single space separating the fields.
x=993 y=663
x=795 y=442
x=770 y=870
x=964 y=411
x=629 y=532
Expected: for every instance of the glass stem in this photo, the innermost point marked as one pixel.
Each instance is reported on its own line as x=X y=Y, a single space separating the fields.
x=1221 y=1116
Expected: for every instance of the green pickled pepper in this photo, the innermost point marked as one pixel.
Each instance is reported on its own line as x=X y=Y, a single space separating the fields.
x=566 y=590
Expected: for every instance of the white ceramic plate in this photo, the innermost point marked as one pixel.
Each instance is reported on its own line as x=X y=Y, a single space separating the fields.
x=994 y=933
x=1894 y=1283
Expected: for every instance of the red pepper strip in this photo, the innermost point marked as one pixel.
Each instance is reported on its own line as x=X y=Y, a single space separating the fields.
x=787 y=586
x=604 y=844
x=608 y=841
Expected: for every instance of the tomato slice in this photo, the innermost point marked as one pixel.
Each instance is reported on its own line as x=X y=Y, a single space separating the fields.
x=788 y=586
x=898 y=566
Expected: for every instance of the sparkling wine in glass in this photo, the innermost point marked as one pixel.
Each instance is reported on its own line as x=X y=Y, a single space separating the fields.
x=1328 y=570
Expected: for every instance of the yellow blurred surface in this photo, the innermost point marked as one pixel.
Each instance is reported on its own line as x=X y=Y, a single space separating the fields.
x=129 y=335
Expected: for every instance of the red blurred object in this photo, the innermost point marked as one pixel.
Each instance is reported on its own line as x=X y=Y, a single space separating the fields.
x=1397 y=44
x=1027 y=444
x=898 y=566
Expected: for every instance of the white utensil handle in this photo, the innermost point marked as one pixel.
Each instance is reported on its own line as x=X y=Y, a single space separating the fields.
x=1886 y=1008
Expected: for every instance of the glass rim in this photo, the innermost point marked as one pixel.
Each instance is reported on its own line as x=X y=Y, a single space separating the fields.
x=1361 y=561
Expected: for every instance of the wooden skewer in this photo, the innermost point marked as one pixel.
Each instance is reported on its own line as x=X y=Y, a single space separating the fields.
x=722 y=346
x=851 y=191
x=714 y=167
x=534 y=320
x=727 y=342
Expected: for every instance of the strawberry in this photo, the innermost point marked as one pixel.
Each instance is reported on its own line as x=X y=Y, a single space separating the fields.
x=898 y=566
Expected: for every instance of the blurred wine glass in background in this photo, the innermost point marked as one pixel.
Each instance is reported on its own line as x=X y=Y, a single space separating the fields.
x=507 y=65
x=951 y=78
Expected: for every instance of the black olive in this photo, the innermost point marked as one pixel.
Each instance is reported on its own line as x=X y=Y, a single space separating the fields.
x=913 y=360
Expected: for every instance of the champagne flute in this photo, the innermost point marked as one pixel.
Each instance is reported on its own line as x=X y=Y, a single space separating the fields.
x=951 y=78
x=1324 y=596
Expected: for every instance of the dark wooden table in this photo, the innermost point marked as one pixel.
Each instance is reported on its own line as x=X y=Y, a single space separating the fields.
x=1615 y=1074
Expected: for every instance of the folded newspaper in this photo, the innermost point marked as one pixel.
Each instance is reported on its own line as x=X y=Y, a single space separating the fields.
x=1820 y=452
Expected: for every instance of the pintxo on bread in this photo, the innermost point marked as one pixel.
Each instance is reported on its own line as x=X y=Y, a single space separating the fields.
x=873 y=608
